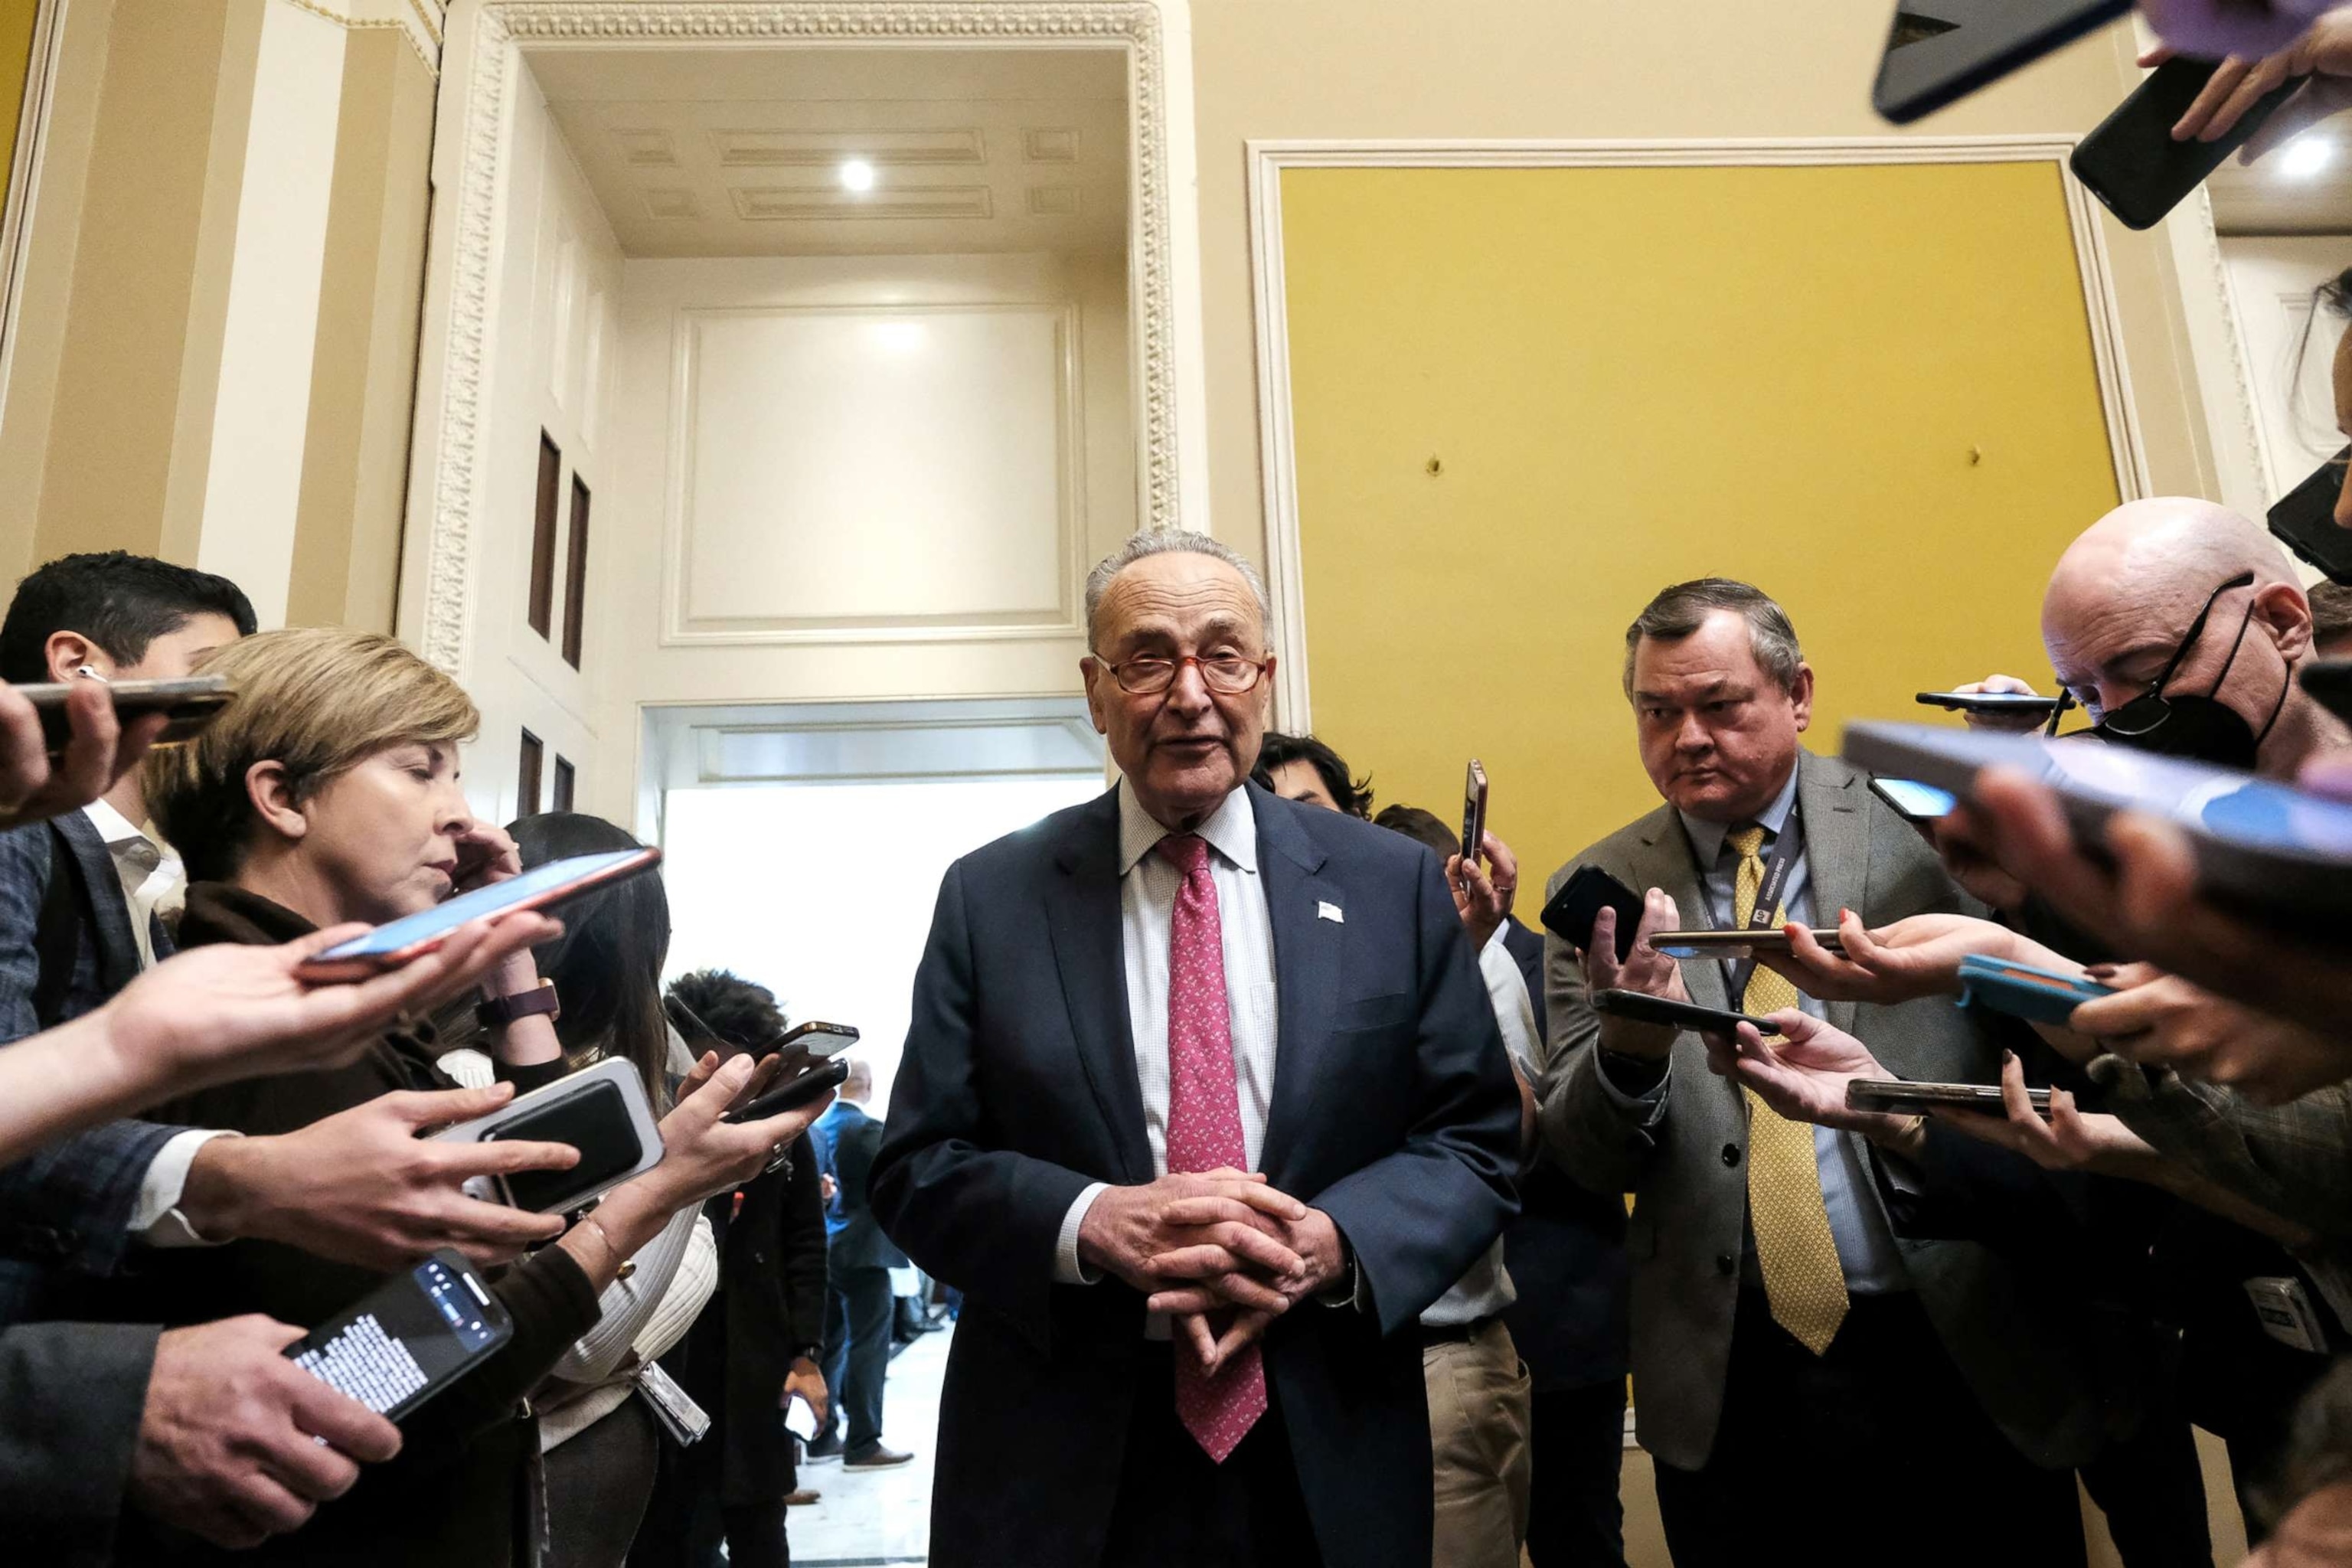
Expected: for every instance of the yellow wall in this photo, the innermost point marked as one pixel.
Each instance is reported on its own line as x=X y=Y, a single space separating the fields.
x=17 y=18
x=1629 y=378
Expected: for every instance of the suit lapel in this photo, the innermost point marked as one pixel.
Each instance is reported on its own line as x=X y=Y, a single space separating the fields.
x=1664 y=862
x=1308 y=950
x=118 y=950
x=1082 y=915
x=1837 y=849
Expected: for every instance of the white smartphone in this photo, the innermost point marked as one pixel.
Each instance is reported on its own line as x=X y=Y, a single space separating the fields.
x=799 y=1419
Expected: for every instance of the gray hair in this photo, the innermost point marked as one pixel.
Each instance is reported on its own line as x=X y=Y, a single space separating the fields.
x=1153 y=541
x=1682 y=609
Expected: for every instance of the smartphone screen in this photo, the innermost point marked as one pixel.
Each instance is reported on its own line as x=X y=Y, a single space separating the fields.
x=414 y=934
x=413 y=1336
x=1917 y=802
x=2303 y=520
x=597 y=1123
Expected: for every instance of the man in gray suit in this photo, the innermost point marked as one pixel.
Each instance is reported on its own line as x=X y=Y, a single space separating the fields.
x=1794 y=1360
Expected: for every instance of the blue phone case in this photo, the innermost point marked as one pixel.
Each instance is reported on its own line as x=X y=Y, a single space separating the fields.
x=2024 y=991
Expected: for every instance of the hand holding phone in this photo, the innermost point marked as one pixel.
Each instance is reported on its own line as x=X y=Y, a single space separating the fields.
x=601 y=1110
x=803 y=1087
x=403 y=941
x=1474 y=812
x=410 y=1338
x=1590 y=889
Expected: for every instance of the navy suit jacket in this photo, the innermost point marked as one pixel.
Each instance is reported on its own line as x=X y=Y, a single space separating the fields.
x=1393 y=1111
x=70 y=1204
x=850 y=1139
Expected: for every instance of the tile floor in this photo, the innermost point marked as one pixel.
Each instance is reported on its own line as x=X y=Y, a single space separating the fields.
x=877 y=1519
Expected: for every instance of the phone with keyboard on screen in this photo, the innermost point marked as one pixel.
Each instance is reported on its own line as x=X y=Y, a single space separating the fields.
x=410 y=1338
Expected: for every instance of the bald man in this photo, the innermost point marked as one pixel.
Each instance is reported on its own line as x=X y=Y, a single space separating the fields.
x=2194 y=598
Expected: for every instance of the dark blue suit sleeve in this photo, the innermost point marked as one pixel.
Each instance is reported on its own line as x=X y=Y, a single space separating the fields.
x=71 y=1203
x=1417 y=1218
x=983 y=1219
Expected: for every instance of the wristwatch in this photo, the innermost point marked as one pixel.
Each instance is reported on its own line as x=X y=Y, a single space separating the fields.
x=499 y=1011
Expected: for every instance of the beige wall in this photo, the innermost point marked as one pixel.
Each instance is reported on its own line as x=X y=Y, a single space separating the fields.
x=123 y=356
x=1708 y=68
x=355 y=463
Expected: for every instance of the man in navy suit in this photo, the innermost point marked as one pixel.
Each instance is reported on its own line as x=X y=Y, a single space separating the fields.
x=1203 y=1104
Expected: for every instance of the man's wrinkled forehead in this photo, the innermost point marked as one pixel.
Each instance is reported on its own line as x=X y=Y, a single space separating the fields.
x=1177 y=597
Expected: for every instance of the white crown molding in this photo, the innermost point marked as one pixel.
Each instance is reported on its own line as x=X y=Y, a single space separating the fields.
x=483 y=53
x=1268 y=158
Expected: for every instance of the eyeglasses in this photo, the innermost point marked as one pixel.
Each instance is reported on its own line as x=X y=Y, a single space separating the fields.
x=2143 y=714
x=1227 y=675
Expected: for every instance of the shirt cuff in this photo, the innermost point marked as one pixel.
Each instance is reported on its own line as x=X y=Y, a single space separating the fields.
x=1067 y=1269
x=155 y=1218
x=1649 y=1100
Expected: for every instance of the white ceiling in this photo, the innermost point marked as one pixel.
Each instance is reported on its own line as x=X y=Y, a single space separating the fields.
x=2264 y=198
x=739 y=152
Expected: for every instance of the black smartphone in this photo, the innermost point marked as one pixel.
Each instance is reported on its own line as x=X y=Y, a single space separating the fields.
x=1898 y=1097
x=1647 y=1009
x=1474 y=812
x=2014 y=703
x=1941 y=50
x=413 y=1336
x=601 y=1110
x=2303 y=520
x=818 y=1040
x=1571 y=911
x=2130 y=161
x=795 y=1094
x=189 y=705
x=2329 y=681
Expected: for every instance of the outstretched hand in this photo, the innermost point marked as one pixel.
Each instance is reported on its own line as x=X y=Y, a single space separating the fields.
x=1803 y=1075
x=34 y=786
x=1913 y=957
x=1645 y=970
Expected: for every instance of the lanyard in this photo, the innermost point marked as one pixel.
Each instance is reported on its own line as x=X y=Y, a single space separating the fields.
x=1786 y=847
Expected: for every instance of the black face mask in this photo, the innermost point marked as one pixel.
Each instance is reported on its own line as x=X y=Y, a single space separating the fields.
x=2200 y=728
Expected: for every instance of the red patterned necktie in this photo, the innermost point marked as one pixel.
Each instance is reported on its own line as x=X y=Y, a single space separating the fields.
x=1205 y=1127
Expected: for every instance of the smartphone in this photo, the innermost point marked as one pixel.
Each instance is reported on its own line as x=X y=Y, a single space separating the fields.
x=818 y=1040
x=2014 y=704
x=189 y=705
x=1901 y=1099
x=1735 y=943
x=1648 y=1009
x=411 y=937
x=795 y=1094
x=2303 y=520
x=800 y=1418
x=1571 y=911
x=2024 y=990
x=600 y=1111
x=1941 y=50
x=413 y=1336
x=2270 y=851
x=2329 y=681
x=2130 y=161
x=1474 y=812
x=1914 y=801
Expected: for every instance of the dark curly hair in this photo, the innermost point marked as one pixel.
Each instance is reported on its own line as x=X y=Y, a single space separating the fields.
x=1353 y=796
x=717 y=1009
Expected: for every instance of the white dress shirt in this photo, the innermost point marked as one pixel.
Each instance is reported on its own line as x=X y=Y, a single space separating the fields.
x=151 y=875
x=1147 y=885
x=1487 y=1290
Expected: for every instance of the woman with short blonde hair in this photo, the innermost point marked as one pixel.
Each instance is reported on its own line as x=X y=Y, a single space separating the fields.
x=329 y=792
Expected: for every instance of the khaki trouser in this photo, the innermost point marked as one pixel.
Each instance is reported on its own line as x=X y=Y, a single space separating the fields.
x=1478 y=1402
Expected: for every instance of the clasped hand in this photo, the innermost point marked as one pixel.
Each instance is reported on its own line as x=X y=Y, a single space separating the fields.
x=1205 y=1243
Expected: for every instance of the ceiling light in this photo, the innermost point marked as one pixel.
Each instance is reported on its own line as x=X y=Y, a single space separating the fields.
x=2307 y=156
x=857 y=174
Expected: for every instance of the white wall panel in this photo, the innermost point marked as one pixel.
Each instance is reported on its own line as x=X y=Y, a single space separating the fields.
x=839 y=470
x=2271 y=280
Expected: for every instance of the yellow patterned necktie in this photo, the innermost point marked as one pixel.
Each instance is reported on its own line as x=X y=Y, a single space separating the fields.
x=1793 y=1245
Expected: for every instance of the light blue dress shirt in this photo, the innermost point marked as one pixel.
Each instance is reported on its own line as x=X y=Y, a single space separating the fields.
x=1865 y=1246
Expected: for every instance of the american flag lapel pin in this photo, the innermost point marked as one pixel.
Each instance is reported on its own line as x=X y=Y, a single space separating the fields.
x=1329 y=911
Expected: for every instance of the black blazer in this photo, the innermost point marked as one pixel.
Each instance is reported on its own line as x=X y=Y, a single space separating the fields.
x=1393 y=1111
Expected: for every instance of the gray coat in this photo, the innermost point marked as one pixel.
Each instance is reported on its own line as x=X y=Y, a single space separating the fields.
x=2018 y=1350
